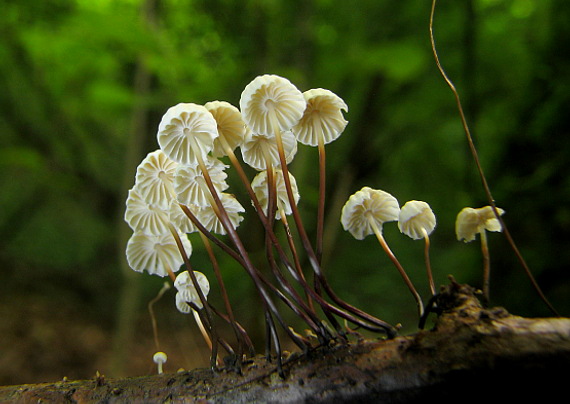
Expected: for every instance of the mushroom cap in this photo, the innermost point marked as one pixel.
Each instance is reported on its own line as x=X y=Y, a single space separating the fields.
x=143 y=216
x=190 y=185
x=159 y=357
x=472 y=221
x=365 y=206
x=231 y=126
x=156 y=253
x=253 y=147
x=208 y=218
x=259 y=186
x=187 y=293
x=416 y=216
x=322 y=117
x=154 y=177
x=186 y=129
x=271 y=94
x=179 y=219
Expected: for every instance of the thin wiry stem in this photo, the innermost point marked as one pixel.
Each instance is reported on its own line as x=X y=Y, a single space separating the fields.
x=397 y=264
x=428 y=262
x=307 y=244
x=200 y=293
x=486 y=266
x=151 y=304
x=486 y=188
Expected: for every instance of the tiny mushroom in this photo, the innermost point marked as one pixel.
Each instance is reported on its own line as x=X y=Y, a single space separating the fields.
x=159 y=358
x=417 y=221
x=471 y=222
x=364 y=213
x=260 y=151
x=190 y=185
x=231 y=127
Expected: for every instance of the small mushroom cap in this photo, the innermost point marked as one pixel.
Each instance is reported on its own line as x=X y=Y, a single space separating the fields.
x=255 y=146
x=208 y=218
x=156 y=253
x=179 y=219
x=154 y=177
x=416 y=216
x=190 y=185
x=259 y=186
x=187 y=293
x=366 y=206
x=231 y=126
x=187 y=129
x=271 y=94
x=159 y=357
x=322 y=117
x=145 y=217
x=472 y=221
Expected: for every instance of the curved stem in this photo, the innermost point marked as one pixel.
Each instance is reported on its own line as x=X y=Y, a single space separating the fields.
x=486 y=188
x=321 y=205
x=397 y=264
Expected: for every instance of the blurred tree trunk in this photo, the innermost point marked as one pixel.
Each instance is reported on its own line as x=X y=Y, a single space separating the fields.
x=471 y=353
x=130 y=292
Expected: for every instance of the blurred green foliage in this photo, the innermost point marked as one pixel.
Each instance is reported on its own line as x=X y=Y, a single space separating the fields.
x=84 y=84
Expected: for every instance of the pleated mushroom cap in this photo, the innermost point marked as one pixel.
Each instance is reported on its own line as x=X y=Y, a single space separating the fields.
x=472 y=221
x=190 y=186
x=156 y=253
x=322 y=117
x=187 y=293
x=414 y=218
x=231 y=127
x=154 y=177
x=259 y=186
x=185 y=131
x=208 y=218
x=143 y=216
x=271 y=95
x=256 y=146
x=365 y=206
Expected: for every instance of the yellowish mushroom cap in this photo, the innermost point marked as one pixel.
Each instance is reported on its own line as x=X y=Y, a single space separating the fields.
x=231 y=126
x=271 y=94
x=187 y=293
x=414 y=218
x=156 y=253
x=185 y=130
x=154 y=178
x=472 y=221
x=259 y=186
x=366 y=206
x=256 y=146
x=322 y=117
x=190 y=186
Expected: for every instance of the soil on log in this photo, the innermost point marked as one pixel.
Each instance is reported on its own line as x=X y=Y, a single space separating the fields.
x=471 y=354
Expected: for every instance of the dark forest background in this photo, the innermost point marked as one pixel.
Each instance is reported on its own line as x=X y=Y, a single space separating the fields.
x=83 y=85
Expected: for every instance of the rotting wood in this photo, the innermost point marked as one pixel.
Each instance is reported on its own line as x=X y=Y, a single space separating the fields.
x=471 y=353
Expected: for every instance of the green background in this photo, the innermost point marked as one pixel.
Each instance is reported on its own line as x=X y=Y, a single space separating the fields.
x=85 y=83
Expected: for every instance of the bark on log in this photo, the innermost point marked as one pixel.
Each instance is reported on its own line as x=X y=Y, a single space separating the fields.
x=471 y=354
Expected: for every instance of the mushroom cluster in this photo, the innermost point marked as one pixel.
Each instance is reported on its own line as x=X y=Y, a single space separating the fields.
x=181 y=191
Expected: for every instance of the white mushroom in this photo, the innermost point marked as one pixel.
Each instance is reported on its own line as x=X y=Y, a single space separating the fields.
x=154 y=177
x=159 y=358
x=186 y=133
x=156 y=254
x=417 y=221
x=231 y=127
x=260 y=187
x=364 y=213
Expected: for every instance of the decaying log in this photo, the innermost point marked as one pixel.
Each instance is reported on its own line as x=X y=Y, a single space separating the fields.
x=471 y=354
